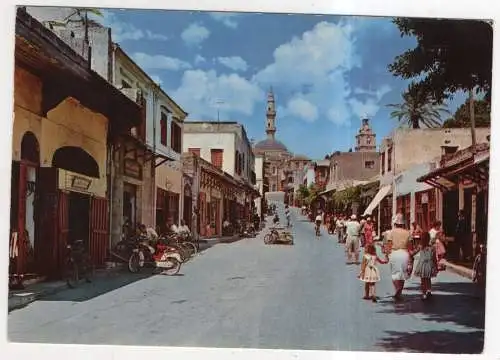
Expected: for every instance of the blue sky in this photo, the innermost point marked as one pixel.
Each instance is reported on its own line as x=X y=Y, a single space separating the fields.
x=326 y=71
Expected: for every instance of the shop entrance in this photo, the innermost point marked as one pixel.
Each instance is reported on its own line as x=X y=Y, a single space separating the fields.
x=78 y=217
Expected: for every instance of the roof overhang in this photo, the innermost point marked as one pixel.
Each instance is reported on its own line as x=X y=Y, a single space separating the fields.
x=66 y=74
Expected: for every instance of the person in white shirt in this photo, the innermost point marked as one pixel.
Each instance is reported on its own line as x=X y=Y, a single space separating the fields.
x=183 y=229
x=150 y=236
x=353 y=228
x=318 y=221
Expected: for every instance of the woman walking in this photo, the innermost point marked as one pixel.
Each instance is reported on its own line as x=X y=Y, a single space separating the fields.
x=398 y=240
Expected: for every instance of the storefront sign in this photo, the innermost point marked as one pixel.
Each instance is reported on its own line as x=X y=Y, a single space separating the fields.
x=80 y=183
x=132 y=168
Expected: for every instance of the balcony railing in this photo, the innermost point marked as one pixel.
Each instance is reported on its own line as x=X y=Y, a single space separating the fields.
x=462 y=155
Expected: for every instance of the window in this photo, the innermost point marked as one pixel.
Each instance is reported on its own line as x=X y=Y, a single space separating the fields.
x=237 y=165
x=216 y=157
x=389 y=159
x=175 y=137
x=163 y=128
x=274 y=170
x=382 y=163
x=195 y=151
x=370 y=164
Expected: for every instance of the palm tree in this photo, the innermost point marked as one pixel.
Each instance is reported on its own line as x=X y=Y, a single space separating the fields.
x=418 y=108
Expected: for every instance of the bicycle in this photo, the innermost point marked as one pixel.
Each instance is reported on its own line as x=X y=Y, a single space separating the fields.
x=78 y=264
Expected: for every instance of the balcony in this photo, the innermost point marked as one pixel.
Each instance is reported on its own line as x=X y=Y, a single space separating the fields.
x=463 y=155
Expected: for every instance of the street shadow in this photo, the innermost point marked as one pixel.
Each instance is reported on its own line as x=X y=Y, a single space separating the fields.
x=100 y=285
x=450 y=302
x=443 y=342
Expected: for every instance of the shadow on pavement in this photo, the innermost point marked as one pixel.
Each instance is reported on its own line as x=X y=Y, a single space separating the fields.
x=99 y=286
x=444 y=342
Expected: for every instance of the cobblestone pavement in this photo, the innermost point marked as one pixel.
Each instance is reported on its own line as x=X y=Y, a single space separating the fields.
x=247 y=294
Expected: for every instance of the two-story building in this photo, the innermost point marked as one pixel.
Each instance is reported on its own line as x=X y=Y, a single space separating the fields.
x=226 y=146
x=404 y=156
x=64 y=113
x=321 y=173
x=260 y=184
x=147 y=184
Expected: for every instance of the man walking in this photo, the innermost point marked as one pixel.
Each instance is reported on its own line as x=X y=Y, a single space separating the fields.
x=353 y=229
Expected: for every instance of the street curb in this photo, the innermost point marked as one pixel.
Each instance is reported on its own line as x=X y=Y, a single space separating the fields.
x=22 y=299
x=459 y=270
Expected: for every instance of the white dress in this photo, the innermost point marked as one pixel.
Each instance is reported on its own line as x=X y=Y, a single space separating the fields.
x=371 y=273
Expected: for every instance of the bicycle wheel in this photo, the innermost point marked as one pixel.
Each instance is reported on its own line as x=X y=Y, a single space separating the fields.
x=134 y=263
x=191 y=247
x=71 y=274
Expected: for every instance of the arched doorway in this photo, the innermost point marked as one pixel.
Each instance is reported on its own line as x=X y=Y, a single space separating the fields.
x=76 y=204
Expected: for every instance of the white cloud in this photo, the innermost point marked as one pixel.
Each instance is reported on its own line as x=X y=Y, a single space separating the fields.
x=159 y=62
x=302 y=108
x=235 y=63
x=228 y=19
x=316 y=67
x=121 y=31
x=195 y=34
x=199 y=59
x=199 y=91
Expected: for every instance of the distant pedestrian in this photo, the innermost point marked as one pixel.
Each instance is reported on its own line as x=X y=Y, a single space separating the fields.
x=368 y=231
x=461 y=236
x=369 y=273
x=426 y=267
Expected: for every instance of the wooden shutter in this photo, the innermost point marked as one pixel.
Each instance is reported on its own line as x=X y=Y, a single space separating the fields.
x=63 y=227
x=172 y=135
x=99 y=230
x=163 y=129
x=216 y=157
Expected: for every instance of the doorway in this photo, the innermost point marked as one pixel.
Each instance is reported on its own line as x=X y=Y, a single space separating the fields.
x=129 y=205
x=78 y=218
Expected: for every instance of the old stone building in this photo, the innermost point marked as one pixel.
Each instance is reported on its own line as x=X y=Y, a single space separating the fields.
x=64 y=112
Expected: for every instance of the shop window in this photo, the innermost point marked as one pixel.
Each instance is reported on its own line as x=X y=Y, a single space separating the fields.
x=369 y=164
x=216 y=157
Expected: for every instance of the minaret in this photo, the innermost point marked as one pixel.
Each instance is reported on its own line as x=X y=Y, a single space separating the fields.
x=366 y=138
x=270 y=115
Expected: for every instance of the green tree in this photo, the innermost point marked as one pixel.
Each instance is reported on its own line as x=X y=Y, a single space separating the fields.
x=461 y=118
x=302 y=193
x=450 y=55
x=418 y=108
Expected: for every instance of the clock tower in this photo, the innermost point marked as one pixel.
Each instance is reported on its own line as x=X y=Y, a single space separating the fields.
x=366 y=138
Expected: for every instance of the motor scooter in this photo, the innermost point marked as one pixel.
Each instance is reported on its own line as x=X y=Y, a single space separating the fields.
x=161 y=257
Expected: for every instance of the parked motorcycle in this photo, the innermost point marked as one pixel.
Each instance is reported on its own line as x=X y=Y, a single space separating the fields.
x=162 y=257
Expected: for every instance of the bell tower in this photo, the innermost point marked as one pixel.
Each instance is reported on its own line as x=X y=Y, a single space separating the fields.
x=366 y=138
x=270 y=115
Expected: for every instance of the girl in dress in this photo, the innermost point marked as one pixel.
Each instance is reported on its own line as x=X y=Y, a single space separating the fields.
x=370 y=274
x=426 y=267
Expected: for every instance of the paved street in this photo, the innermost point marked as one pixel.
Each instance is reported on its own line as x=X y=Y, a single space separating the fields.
x=247 y=294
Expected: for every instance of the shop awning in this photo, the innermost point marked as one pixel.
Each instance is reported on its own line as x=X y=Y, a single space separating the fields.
x=382 y=193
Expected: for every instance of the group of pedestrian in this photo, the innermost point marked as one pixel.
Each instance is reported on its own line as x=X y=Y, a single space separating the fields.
x=400 y=250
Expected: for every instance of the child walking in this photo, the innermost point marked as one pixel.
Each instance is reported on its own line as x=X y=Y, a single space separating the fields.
x=370 y=274
x=427 y=266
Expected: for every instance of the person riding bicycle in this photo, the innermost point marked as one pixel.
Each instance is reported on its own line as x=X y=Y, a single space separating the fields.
x=318 y=221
